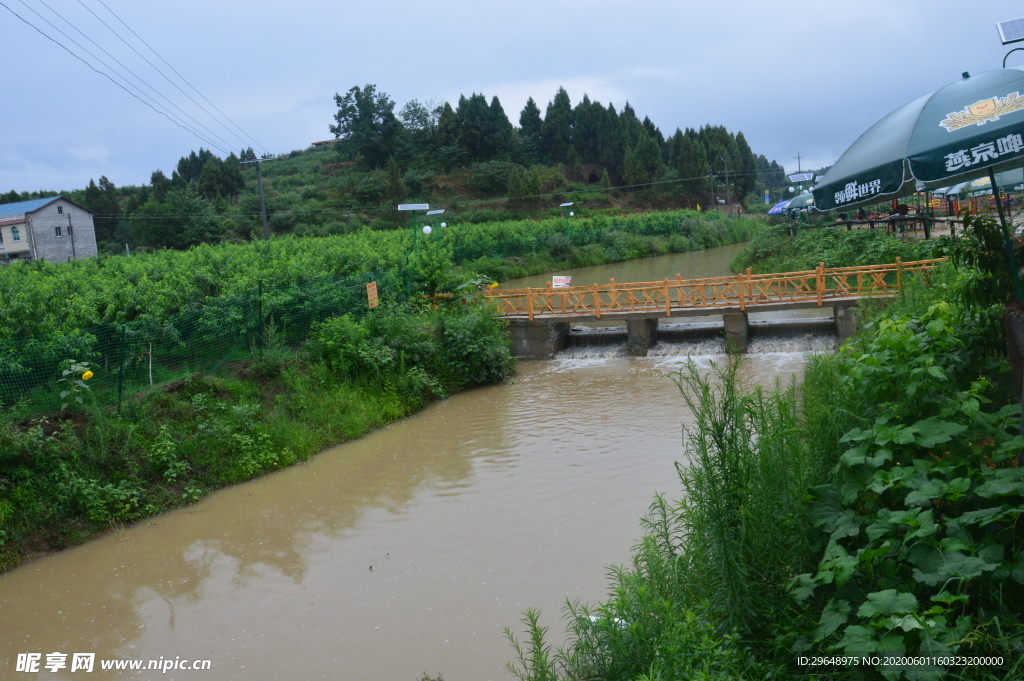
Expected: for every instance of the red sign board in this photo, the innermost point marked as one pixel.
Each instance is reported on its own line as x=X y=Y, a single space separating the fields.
x=371 y=294
x=561 y=282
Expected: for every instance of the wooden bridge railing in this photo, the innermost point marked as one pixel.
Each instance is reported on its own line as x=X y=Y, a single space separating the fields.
x=744 y=291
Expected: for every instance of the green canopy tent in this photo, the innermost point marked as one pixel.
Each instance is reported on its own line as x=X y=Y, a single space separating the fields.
x=966 y=129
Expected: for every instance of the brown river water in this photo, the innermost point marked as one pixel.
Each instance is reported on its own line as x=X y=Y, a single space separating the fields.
x=404 y=552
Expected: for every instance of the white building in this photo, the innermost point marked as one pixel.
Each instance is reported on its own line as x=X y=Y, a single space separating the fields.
x=52 y=229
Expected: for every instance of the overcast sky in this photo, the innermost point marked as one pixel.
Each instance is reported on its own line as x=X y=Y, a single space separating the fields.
x=795 y=77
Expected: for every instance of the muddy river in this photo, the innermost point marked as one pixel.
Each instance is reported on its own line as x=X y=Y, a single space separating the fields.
x=404 y=552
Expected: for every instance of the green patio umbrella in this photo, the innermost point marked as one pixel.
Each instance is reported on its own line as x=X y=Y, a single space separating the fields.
x=966 y=129
x=801 y=200
x=1009 y=178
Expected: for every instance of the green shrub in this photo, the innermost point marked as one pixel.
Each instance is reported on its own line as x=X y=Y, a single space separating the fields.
x=490 y=177
x=921 y=547
x=773 y=249
x=475 y=349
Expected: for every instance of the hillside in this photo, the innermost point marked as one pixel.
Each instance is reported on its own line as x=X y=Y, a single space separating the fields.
x=468 y=159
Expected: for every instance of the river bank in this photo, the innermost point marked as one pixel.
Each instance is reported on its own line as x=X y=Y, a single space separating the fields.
x=496 y=499
x=870 y=515
x=87 y=467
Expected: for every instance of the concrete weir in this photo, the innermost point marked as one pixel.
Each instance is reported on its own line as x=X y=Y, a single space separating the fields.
x=538 y=339
x=543 y=339
x=737 y=326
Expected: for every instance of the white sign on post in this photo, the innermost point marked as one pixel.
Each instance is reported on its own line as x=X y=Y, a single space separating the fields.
x=561 y=282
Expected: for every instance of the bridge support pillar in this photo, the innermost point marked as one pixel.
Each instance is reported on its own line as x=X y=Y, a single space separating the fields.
x=538 y=340
x=846 y=320
x=737 y=330
x=641 y=334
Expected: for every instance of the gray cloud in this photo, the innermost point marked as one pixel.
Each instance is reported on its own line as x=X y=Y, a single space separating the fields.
x=801 y=77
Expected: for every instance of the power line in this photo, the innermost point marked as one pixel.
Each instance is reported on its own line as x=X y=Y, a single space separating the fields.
x=131 y=83
x=253 y=141
x=227 y=145
x=105 y=75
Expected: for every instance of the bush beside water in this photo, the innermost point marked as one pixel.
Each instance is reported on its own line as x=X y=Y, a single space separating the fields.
x=772 y=249
x=68 y=475
x=875 y=511
x=289 y=359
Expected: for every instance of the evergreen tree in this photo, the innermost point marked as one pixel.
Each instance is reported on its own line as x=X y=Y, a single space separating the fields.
x=500 y=130
x=770 y=174
x=587 y=118
x=746 y=168
x=611 y=147
x=556 y=130
x=102 y=200
x=186 y=219
x=530 y=145
x=630 y=126
x=529 y=119
x=473 y=117
x=532 y=186
x=648 y=158
x=630 y=170
x=652 y=131
x=642 y=163
x=191 y=167
x=447 y=126
x=671 y=148
x=692 y=165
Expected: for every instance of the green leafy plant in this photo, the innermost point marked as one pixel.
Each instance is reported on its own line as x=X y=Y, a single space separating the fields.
x=162 y=456
x=980 y=252
x=74 y=375
x=921 y=546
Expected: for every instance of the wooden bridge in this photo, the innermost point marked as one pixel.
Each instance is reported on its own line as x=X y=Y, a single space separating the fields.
x=540 y=316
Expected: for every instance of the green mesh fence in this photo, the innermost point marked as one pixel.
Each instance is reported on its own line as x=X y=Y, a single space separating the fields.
x=134 y=356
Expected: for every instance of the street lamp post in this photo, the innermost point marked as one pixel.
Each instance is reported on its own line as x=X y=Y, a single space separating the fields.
x=434 y=219
x=412 y=207
x=1011 y=32
x=568 y=233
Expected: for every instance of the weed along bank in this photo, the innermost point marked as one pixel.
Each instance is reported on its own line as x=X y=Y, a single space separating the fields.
x=452 y=508
x=406 y=549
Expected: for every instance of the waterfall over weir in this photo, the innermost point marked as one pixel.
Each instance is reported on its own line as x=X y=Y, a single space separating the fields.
x=705 y=338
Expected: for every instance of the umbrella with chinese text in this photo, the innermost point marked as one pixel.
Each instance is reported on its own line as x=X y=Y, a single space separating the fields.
x=957 y=133
x=966 y=129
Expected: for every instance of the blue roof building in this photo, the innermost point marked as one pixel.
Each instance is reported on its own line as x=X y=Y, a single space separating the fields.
x=54 y=229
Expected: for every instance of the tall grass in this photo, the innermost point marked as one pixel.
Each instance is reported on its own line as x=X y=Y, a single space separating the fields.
x=742 y=517
x=707 y=583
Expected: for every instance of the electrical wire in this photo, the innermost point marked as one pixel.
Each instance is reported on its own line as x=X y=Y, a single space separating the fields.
x=133 y=83
x=105 y=75
x=253 y=141
x=226 y=145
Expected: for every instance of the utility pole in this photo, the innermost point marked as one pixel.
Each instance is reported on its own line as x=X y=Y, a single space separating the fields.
x=725 y=160
x=797 y=157
x=71 y=233
x=259 y=183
